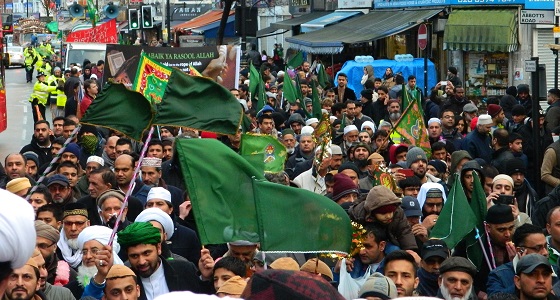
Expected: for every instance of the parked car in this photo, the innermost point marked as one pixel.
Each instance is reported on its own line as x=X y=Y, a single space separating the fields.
x=16 y=56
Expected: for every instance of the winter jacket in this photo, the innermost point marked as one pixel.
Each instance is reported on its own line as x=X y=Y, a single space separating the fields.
x=478 y=145
x=58 y=292
x=499 y=157
x=544 y=205
x=398 y=231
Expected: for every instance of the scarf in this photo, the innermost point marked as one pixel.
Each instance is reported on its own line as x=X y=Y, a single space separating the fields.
x=428 y=285
x=73 y=260
x=89 y=143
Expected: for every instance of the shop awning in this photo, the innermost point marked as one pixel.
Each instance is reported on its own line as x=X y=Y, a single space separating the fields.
x=290 y=24
x=373 y=26
x=211 y=30
x=481 y=30
x=202 y=20
x=330 y=19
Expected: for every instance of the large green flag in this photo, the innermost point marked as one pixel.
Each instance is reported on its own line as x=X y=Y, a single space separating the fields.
x=456 y=219
x=254 y=80
x=261 y=97
x=296 y=60
x=264 y=148
x=121 y=109
x=323 y=78
x=289 y=89
x=316 y=111
x=298 y=90
x=411 y=126
x=232 y=201
x=479 y=208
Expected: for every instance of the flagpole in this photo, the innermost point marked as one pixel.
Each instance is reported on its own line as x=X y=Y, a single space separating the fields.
x=396 y=125
x=130 y=186
x=483 y=250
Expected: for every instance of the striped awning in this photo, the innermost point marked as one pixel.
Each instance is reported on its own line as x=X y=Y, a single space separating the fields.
x=481 y=30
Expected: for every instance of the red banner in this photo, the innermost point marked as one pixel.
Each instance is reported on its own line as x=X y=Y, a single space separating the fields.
x=105 y=33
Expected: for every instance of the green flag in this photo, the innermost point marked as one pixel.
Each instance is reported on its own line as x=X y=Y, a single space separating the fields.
x=92 y=11
x=261 y=96
x=456 y=219
x=254 y=80
x=296 y=60
x=479 y=208
x=121 y=109
x=264 y=148
x=316 y=111
x=411 y=126
x=289 y=89
x=189 y=101
x=298 y=91
x=245 y=124
x=53 y=26
x=233 y=201
x=323 y=78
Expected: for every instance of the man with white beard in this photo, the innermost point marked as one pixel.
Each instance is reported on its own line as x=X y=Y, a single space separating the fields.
x=74 y=220
x=456 y=279
x=92 y=240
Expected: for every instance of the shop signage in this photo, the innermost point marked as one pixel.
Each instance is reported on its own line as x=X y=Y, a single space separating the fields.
x=536 y=16
x=187 y=12
x=528 y=4
x=557 y=8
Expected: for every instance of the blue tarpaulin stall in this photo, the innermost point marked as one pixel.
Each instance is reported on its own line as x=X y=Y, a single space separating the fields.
x=355 y=71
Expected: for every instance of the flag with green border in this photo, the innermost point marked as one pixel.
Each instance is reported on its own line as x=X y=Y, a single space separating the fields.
x=265 y=148
x=151 y=79
x=232 y=201
x=456 y=219
x=411 y=126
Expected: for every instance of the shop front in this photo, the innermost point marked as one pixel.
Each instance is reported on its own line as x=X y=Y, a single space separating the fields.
x=482 y=43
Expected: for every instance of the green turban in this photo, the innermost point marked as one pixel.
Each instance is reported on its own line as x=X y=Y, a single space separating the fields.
x=139 y=233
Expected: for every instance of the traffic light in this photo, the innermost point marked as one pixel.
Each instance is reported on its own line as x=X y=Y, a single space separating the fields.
x=147 y=17
x=133 y=19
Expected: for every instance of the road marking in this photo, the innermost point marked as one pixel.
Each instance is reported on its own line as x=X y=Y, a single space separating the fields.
x=24 y=134
x=25 y=109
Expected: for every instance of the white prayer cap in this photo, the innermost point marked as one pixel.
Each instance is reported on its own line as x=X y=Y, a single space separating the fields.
x=350 y=128
x=159 y=193
x=484 y=120
x=17 y=229
x=158 y=215
x=432 y=120
x=307 y=131
x=368 y=124
x=96 y=159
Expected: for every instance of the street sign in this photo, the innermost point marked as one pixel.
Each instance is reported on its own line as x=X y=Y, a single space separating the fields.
x=530 y=16
x=423 y=36
x=557 y=8
x=530 y=66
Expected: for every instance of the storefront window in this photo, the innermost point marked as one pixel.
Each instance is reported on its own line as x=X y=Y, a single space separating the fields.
x=486 y=74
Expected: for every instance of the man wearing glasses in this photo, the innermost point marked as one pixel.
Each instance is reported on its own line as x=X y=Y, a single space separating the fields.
x=528 y=239
x=59 y=186
x=75 y=220
x=59 y=273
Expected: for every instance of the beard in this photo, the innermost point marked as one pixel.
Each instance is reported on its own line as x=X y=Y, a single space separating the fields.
x=360 y=163
x=447 y=296
x=73 y=244
x=290 y=150
x=394 y=116
x=85 y=274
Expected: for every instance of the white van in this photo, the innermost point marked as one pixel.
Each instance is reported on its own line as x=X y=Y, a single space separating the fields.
x=78 y=52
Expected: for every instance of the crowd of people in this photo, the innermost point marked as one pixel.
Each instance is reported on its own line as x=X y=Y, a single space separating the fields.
x=56 y=245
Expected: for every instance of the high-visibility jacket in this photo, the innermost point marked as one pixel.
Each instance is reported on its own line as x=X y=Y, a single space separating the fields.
x=45 y=68
x=41 y=92
x=47 y=47
x=30 y=56
x=59 y=94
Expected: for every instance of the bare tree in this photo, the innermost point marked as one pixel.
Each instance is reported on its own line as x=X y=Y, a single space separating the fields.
x=48 y=5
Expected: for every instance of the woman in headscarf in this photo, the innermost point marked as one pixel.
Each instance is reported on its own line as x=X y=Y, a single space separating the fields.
x=389 y=78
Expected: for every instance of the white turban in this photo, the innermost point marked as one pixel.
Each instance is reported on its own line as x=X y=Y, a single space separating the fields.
x=368 y=124
x=17 y=229
x=158 y=215
x=101 y=234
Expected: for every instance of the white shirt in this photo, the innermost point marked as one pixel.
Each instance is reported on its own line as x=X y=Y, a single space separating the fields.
x=155 y=285
x=306 y=181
